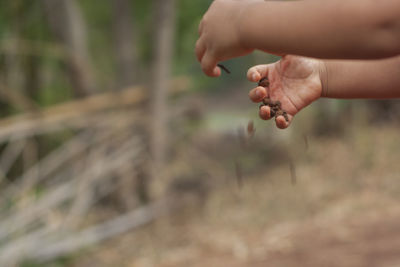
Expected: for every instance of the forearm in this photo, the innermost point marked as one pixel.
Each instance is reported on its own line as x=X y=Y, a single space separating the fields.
x=350 y=29
x=376 y=79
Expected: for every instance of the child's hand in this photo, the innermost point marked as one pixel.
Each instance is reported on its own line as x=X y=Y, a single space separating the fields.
x=220 y=36
x=294 y=81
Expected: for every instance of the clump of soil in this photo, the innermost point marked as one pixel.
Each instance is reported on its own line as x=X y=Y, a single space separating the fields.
x=263 y=82
x=275 y=106
x=250 y=128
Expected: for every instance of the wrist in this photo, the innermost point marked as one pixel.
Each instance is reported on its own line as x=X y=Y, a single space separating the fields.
x=247 y=31
x=324 y=77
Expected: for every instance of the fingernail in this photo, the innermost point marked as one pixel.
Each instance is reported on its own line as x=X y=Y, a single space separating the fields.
x=259 y=93
x=254 y=76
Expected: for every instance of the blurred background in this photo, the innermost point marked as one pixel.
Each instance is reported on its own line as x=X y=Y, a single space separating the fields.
x=116 y=150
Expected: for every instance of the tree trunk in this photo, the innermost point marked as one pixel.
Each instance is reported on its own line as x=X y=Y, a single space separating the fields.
x=68 y=25
x=124 y=43
x=164 y=41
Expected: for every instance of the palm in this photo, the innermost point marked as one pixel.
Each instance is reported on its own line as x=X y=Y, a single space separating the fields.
x=295 y=82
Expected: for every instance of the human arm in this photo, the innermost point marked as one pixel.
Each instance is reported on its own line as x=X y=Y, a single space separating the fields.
x=297 y=82
x=351 y=29
x=377 y=79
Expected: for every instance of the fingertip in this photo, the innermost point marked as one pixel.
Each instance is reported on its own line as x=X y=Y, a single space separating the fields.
x=216 y=72
x=265 y=112
x=281 y=122
x=256 y=77
x=209 y=66
x=253 y=75
x=258 y=94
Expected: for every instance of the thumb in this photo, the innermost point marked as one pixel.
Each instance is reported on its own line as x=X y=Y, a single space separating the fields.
x=255 y=73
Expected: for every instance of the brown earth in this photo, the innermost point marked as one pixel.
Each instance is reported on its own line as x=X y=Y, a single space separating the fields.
x=343 y=210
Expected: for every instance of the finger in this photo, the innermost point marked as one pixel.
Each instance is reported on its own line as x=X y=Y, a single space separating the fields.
x=209 y=66
x=258 y=94
x=201 y=27
x=200 y=50
x=281 y=122
x=255 y=73
x=265 y=112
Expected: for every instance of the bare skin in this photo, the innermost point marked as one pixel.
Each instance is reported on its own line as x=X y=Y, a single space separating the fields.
x=294 y=81
x=335 y=29
x=298 y=81
x=351 y=29
x=374 y=79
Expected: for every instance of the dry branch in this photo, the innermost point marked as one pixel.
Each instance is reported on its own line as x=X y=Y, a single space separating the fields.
x=76 y=113
x=126 y=56
x=164 y=28
x=113 y=227
x=115 y=148
x=10 y=154
x=17 y=99
x=68 y=24
x=24 y=217
x=47 y=165
x=61 y=243
x=108 y=126
x=34 y=48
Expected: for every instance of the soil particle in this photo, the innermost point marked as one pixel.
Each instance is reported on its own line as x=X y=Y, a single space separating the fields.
x=275 y=106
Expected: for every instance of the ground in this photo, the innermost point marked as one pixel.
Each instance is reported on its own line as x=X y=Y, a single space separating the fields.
x=342 y=211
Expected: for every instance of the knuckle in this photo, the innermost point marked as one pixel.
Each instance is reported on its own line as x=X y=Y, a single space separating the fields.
x=198 y=45
x=201 y=25
x=204 y=20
